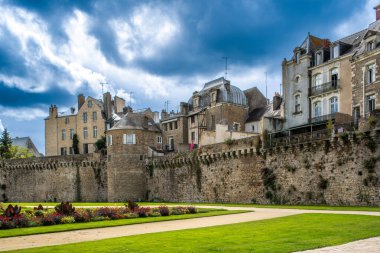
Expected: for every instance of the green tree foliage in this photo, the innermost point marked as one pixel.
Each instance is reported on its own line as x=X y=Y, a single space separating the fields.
x=75 y=144
x=8 y=151
x=5 y=145
x=101 y=143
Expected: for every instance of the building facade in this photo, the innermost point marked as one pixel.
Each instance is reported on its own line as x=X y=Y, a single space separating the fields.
x=88 y=120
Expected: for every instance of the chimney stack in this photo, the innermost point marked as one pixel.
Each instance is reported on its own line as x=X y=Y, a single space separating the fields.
x=107 y=103
x=377 y=8
x=81 y=100
x=53 y=111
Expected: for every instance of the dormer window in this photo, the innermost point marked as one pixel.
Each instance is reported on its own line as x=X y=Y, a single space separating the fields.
x=196 y=101
x=335 y=51
x=297 y=57
x=370 y=46
x=318 y=58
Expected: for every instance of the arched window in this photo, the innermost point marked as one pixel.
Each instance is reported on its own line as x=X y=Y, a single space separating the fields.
x=334 y=105
x=334 y=77
x=297 y=103
x=317 y=109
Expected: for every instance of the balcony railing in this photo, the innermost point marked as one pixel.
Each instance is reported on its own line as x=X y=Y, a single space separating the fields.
x=326 y=87
x=322 y=118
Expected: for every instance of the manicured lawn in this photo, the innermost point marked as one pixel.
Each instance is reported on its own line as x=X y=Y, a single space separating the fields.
x=109 y=223
x=335 y=208
x=287 y=234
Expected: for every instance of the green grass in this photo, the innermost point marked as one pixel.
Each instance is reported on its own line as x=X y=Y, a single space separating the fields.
x=334 y=208
x=109 y=223
x=286 y=234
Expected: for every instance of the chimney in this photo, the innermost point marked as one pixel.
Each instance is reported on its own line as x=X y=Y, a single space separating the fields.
x=53 y=111
x=377 y=8
x=277 y=99
x=127 y=109
x=164 y=115
x=183 y=108
x=107 y=102
x=81 y=100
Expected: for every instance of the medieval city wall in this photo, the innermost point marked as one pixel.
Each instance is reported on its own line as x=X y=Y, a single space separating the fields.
x=60 y=178
x=337 y=171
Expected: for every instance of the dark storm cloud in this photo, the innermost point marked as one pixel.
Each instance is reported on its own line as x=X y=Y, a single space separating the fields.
x=14 y=97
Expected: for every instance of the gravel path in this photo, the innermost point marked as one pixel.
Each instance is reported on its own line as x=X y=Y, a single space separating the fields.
x=31 y=241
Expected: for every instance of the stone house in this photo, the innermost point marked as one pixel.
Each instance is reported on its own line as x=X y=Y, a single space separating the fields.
x=365 y=66
x=175 y=129
x=89 y=119
x=269 y=117
x=218 y=102
x=131 y=139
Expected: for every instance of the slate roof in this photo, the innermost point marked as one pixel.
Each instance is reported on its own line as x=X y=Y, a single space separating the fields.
x=137 y=121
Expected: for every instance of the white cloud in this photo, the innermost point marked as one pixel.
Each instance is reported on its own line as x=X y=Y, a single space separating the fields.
x=146 y=32
x=1 y=126
x=359 y=21
x=23 y=113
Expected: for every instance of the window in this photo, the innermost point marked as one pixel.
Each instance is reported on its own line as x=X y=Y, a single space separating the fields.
x=317 y=109
x=129 y=139
x=63 y=151
x=371 y=102
x=67 y=120
x=85 y=117
x=336 y=51
x=297 y=57
x=318 y=58
x=213 y=125
x=171 y=126
x=193 y=136
x=109 y=140
x=159 y=139
x=236 y=126
x=175 y=125
x=192 y=119
x=94 y=116
x=89 y=104
x=318 y=81
x=297 y=105
x=371 y=73
x=213 y=97
x=334 y=77
x=370 y=46
x=253 y=128
x=71 y=134
x=333 y=105
x=166 y=127
x=95 y=132
x=71 y=151
x=63 y=134
x=85 y=132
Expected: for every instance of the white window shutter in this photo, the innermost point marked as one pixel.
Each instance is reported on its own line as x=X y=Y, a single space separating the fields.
x=124 y=139
x=134 y=139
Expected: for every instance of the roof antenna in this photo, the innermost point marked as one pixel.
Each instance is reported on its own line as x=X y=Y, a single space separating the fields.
x=225 y=58
x=130 y=98
x=101 y=83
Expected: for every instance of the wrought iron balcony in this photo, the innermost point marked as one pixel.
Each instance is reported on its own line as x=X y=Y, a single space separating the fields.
x=326 y=87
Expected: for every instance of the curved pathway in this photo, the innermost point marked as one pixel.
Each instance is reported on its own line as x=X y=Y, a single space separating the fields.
x=59 y=238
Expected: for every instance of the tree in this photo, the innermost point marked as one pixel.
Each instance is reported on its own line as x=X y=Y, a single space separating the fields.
x=5 y=145
x=19 y=152
x=75 y=144
x=101 y=144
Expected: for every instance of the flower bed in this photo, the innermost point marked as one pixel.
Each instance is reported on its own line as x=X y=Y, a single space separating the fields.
x=13 y=217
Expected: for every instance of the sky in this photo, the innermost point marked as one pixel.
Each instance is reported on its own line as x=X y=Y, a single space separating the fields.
x=51 y=51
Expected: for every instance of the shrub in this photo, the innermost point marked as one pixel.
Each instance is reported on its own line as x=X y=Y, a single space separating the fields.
x=154 y=214
x=100 y=218
x=142 y=211
x=65 y=208
x=132 y=205
x=229 y=142
x=51 y=219
x=39 y=207
x=179 y=210
x=370 y=164
x=371 y=144
x=6 y=223
x=67 y=220
x=11 y=211
x=163 y=210
x=39 y=213
x=20 y=221
x=192 y=209
x=344 y=137
x=81 y=216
